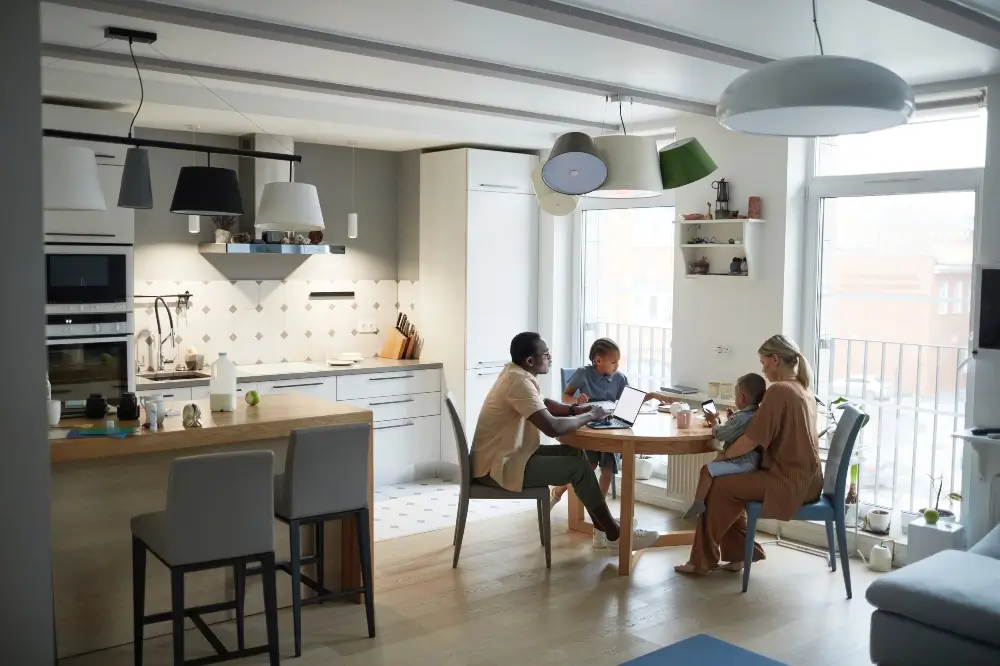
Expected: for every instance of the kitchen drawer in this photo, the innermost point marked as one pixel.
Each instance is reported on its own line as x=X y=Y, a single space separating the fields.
x=498 y=171
x=378 y=384
x=394 y=407
x=168 y=394
x=406 y=450
x=321 y=387
x=201 y=392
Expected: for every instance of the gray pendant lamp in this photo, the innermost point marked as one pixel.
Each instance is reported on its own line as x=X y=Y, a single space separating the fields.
x=683 y=162
x=574 y=166
x=136 y=189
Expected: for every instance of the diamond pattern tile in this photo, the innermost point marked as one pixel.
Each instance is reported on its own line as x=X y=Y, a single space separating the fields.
x=232 y=337
x=259 y=307
x=206 y=309
x=396 y=305
x=354 y=331
x=309 y=334
x=284 y=308
x=354 y=305
x=331 y=332
x=206 y=338
x=332 y=306
x=259 y=336
x=284 y=334
x=376 y=306
x=309 y=307
x=232 y=308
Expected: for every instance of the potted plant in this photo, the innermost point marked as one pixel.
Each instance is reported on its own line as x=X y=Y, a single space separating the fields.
x=223 y=227
x=937 y=513
x=643 y=467
x=851 y=500
x=878 y=520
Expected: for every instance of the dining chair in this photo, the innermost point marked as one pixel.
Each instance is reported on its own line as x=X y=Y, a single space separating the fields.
x=566 y=373
x=829 y=508
x=470 y=490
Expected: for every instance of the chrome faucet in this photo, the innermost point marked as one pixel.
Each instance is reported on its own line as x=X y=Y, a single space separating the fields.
x=159 y=330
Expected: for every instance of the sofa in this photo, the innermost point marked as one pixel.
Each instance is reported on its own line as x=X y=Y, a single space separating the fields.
x=944 y=609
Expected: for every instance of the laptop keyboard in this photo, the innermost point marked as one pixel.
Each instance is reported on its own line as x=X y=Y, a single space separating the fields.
x=614 y=421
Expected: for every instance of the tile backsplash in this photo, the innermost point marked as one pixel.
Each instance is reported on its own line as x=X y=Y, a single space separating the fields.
x=270 y=321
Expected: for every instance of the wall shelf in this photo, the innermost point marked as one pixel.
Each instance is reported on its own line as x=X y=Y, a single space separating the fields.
x=716 y=245
x=703 y=276
x=728 y=221
x=269 y=248
x=720 y=252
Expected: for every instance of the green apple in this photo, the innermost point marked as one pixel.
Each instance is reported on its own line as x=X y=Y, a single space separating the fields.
x=931 y=516
x=252 y=398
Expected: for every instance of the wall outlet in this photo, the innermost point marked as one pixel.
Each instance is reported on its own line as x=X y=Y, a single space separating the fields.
x=722 y=351
x=367 y=328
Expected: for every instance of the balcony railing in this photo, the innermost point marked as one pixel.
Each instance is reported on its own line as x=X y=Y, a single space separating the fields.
x=915 y=397
x=645 y=351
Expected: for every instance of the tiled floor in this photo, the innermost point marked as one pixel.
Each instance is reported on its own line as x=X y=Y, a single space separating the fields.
x=414 y=508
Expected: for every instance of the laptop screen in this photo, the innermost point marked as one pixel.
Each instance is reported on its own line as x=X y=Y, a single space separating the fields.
x=629 y=404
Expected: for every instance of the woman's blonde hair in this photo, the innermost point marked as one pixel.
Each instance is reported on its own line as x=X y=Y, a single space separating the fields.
x=789 y=355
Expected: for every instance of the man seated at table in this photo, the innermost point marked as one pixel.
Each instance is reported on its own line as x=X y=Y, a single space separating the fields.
x=506 y=451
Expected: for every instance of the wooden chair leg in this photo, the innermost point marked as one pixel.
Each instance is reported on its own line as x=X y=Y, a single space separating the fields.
x=138 y=598
x=831 y=545
x=463 y=514
x=239 y=592
x=268 y=578
x=177 y=614
x=295 y=548
x=365 y=549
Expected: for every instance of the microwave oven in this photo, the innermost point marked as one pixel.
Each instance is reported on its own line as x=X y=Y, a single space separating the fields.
x=88 y=279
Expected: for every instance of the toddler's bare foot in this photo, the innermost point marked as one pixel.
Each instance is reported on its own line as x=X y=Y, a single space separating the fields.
x=697 y=508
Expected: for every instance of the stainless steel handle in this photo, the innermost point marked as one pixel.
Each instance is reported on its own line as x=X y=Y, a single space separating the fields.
x=390 y=402
x=278 y=386
x=382 y=379
x=395 y=425
x=502 y=187
x=492 y=362
x=71 y=235
x=169 y=395
x=487 y=374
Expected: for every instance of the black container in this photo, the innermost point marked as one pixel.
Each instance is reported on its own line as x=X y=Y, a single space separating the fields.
x=128 y=407
x=97 y=406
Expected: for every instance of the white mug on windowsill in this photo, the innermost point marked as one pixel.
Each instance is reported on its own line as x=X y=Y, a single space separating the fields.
x=54 y=412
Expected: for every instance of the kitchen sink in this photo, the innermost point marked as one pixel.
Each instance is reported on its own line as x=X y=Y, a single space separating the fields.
x=171 y=376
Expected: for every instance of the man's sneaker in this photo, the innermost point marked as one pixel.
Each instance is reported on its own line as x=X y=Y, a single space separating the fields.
x=600 y=539
x=641 y=539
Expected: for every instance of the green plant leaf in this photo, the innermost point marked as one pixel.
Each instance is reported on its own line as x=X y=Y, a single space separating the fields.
x=954 y=497
x=839 y=401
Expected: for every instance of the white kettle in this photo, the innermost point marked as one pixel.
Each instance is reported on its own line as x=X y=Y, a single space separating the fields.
x=880 y=558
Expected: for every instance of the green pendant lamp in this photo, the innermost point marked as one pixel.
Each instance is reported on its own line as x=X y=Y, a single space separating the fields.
x=683 y=162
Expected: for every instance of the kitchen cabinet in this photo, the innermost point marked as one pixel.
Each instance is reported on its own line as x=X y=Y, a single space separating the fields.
x=114 y=225
x=321 y=387
x=478 y=270
x=168 y=394
x=202 y=392
x=378 y=384
x=406 y=449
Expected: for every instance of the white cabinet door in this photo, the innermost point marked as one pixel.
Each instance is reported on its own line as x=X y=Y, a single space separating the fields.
x=501 y=275
x=114 y=225
x=497 y=171
x=477 y=384
x=406 y=450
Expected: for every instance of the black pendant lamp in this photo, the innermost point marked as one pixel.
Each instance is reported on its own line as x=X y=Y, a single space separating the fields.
x=574 y=166
x=136 y=189
x=207 y=190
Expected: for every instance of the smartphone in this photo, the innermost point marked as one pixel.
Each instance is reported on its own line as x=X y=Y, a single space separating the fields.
x=709 y=407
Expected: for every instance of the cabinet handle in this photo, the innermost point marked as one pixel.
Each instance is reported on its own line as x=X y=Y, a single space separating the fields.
x=382 y=379
x=57 y=233
x=278 y=386
x=395 y=425
x=390 y=402
x=61 y=391
x=486 y=374
x=169 y=395
x=492 y=362
x=502 y=187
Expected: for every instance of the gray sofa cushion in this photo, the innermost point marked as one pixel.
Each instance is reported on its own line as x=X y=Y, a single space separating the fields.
x=989 y=545
x=952 y=590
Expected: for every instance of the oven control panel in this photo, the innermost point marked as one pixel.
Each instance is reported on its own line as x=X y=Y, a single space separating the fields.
x=88 y=325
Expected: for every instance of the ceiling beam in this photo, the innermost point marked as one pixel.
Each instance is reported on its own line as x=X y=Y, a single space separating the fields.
x=77 y=54
x=949 y=16
x=599 y=23
x=236 y=25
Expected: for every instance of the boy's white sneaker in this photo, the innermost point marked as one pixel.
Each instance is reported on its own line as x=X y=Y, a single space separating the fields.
x=641 y=539
x=601 y=539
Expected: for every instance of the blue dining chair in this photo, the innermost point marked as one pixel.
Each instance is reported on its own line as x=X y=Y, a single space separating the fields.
x=830 y=506
x=565 y=374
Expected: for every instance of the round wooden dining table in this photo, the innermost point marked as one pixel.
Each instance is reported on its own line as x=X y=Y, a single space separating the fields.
x=655 y=433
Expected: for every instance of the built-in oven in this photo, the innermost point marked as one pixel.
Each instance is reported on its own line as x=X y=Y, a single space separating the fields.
x=88 y=279
x=90 y=353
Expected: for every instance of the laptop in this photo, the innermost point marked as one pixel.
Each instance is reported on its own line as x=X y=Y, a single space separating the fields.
x=626 y=411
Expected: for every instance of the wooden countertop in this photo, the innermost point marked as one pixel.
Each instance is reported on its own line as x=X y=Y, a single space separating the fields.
x=276 y=416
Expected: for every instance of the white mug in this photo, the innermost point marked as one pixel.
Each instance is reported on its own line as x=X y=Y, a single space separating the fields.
x=55 y=412
x=676 y=407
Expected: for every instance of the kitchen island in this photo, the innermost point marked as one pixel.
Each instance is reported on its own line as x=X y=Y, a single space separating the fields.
x=99 y=483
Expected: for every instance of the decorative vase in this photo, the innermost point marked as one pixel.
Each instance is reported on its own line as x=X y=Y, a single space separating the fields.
x=878 y=521
x=643 y=468
x=222 y=236
x=743 y=266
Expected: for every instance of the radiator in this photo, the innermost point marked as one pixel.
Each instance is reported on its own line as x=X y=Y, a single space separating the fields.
x=682 y=476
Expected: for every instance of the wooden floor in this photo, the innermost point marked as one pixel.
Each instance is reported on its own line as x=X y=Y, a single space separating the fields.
x=501 y=606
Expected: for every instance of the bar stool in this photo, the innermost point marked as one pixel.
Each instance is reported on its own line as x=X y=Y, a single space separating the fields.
x=325 y=478
x=219 y=513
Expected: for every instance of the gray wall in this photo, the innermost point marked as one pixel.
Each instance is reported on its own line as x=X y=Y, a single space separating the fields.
x=408 y=230
x=166 y=251
x=26 y=633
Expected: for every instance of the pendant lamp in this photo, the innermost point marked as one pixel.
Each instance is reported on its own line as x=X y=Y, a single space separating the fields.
x=290 y=207
x=207 y=190
x=574 y=167
x=815 y=96
x=136 y=189
x=194 y=224
x=633 y=167
x=352 y=218
x=70 y=178
x=683 y=162
x=550 y=201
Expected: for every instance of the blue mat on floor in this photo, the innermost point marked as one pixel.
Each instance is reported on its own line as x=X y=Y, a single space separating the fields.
x=702 y=650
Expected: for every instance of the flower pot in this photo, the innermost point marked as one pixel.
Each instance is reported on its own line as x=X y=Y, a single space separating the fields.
x=643 y=468
x=851 y=514
x=222 y=236
x=878 y=521
x=944 y=515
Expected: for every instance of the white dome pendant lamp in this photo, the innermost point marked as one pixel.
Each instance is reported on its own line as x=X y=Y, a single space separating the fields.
x=632 y=163
x=70 y=180
x=811 y=96
x=352 y=218
x=552 y=202
x=289 y=206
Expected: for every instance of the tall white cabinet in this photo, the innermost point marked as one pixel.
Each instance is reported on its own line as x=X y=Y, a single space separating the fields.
x=478 y=272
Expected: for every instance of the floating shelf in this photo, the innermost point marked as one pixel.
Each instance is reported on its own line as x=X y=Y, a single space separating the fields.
x=693 y=276
x=269 y=248
x=740 y=220
x=720 y=251
x=729 y=245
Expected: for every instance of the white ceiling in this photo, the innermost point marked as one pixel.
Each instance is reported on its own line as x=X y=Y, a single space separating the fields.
x=920 y=52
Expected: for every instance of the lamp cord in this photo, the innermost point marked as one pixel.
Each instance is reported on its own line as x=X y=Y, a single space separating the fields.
x=352 y=176
x=621 y=116
x=142 y=89
x=819 y=37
